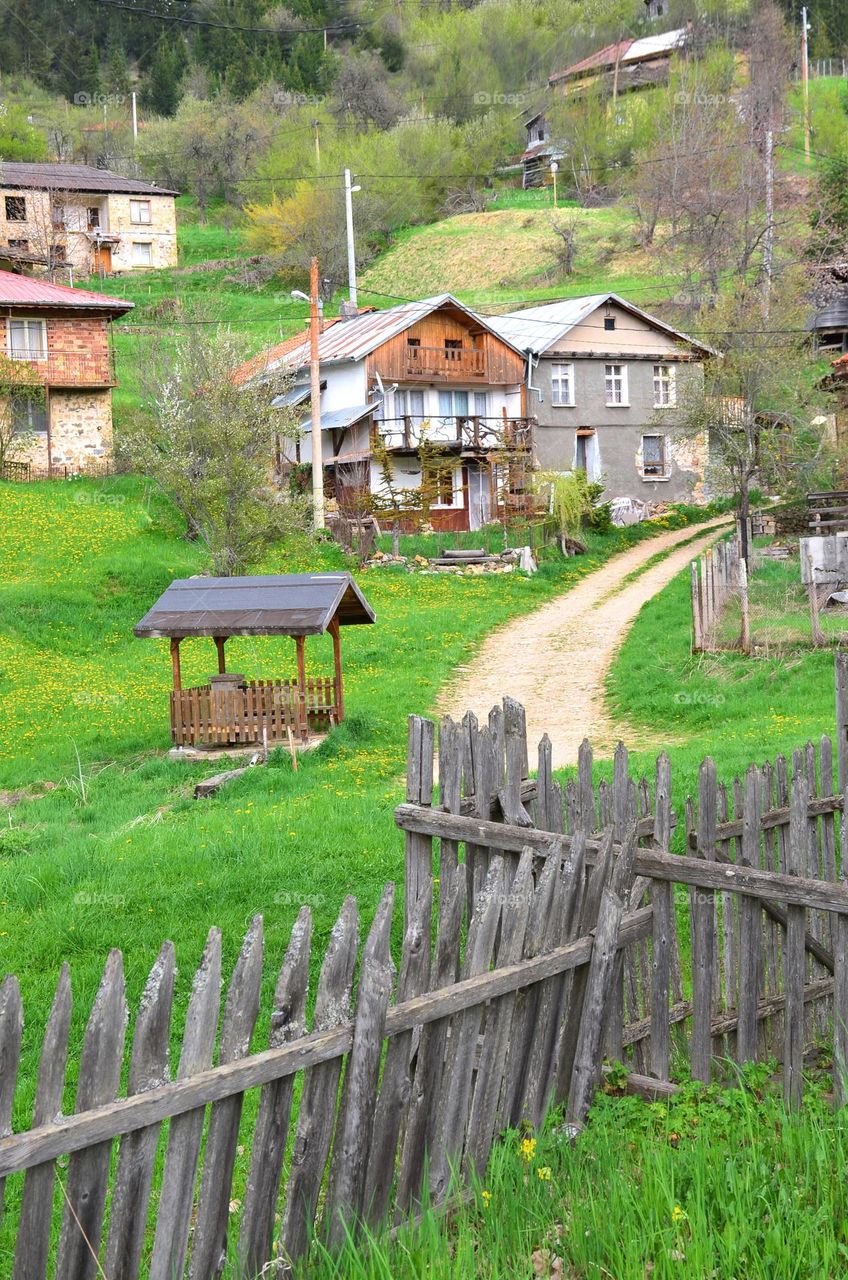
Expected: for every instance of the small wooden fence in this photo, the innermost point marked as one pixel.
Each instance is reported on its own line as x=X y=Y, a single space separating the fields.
x=828 y=512
x=264 y=710
x=719 y=575
x=555 y=939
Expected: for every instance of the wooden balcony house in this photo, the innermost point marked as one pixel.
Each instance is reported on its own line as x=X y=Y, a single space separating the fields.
x=231 y=710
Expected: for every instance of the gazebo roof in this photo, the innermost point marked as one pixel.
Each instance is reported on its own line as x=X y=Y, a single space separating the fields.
x=290 y=604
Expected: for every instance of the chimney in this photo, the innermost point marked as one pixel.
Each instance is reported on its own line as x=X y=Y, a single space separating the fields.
x=348 y=310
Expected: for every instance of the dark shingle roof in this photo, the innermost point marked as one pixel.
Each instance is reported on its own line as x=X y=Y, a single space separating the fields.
x=75 y=177
x=291 y=604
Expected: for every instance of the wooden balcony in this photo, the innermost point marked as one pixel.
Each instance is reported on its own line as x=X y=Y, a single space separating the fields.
x=432 y=364
x=64 y=369
x=463 y=434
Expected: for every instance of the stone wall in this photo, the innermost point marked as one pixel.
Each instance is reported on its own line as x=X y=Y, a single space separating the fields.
x=80 y=431
x=160 y=233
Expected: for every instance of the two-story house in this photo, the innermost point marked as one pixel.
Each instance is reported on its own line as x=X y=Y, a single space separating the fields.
x=605 y=383
x=57 y=370
x=89 y=219
x=423 y=378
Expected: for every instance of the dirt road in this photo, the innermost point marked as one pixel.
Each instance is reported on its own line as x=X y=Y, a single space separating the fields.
x=555 y=660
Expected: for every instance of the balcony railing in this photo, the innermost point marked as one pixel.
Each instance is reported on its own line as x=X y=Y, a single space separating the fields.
x=472 y=434
x=61 y=369
x=445 y=362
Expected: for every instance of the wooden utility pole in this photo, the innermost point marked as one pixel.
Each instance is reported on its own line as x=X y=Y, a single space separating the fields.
x=805 y=81
x=315 y=381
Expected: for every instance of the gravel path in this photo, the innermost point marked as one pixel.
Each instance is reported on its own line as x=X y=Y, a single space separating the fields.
x=555 y=660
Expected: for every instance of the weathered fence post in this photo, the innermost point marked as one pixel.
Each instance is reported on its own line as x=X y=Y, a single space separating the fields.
x=842 y=720
x=840 y=976
x=703 y=930
x=750 y=926
x=794 y=958
x=662 y=898
x=418 y=860
x=744 y=606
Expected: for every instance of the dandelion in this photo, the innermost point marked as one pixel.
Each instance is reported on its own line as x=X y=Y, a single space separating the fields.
x=544 y=1172
x=678 y=1215
x=527 y=1150
x=486 y=1197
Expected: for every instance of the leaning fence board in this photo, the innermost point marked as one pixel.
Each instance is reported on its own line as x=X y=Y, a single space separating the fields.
x=11 y=1028
x=702 y=911
x=587 y=1061
x=794 y=952
x=750 y=928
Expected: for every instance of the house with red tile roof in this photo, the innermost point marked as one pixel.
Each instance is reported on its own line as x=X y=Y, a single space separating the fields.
x=57 y=372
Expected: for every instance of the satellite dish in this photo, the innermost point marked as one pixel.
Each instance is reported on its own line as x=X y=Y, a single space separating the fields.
x=380 y=383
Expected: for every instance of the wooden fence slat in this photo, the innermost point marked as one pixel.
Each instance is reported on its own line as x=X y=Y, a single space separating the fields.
x=209 y=1241
x=499 y=1021
x=354 y=1131
x=422 y=1113
x=134 y=1174
x=88 y=1170
x=450 y=798
x=496 y=730
x=570 y=1028
x=288 y=1023
x=477 y=855
x=702 y=910
x=396 y=1083
x=469 y=753
x=33 y=1237
x=418 y=861
x=316 y=1116
x=587 y=1059
x=446 y=1147
x=524 y=1015
x=794 y=951
x=588 y=816
x=544 y=785
x=750 y=926
x=515 y=745
x=665 y=931
x=176 y=1198
x=840 y=977
x=11 y=1028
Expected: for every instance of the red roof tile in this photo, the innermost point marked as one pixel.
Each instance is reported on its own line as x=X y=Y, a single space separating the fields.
x=16 y=290
x=602 y=58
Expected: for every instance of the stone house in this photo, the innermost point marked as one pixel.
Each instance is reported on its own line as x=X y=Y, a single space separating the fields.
x=88 y=219
x=57 y=371
x=431 y=385
x=605 y=383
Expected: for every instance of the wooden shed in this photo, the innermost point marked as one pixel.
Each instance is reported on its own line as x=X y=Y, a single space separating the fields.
x=230 y=709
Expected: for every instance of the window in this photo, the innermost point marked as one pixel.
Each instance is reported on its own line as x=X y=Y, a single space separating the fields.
x=481 y=404
x=93 y=218
x=28 y=339
x=16 y=209
x=453 y=404
x=60 y=253
x=562 y=384
x=410 y=404
x=653 y=456
x=19 y=244
x=616 y=383
x=453 y=344
x=140 y=212
x=442 y=486
x=141 y=254
x=413 y=342
x=28 y=413
x=663 y=386
x=609 y=322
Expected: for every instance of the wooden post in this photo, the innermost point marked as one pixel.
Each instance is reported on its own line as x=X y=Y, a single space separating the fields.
x=338 y=687
x=175 y=662
x=842 y=719
x=697 y=619
x=299 y=644
x=744 y=606
x=220 y=641
x=812 y=593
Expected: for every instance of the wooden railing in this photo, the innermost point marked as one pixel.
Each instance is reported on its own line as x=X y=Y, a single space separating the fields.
x=446 y=362
x=457 y=431
x=263 y=711
x=64 y=369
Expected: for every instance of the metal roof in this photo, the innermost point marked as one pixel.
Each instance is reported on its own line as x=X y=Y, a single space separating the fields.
x=536 y=329
x=338 y=419
x=292 y=604
x=626 y=51
x=295 y=395
x=75 y=177
x=17 y=290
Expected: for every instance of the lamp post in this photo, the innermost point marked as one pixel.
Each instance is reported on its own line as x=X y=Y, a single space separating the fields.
x=315 y=308
x=351 y=254
x=554 y=170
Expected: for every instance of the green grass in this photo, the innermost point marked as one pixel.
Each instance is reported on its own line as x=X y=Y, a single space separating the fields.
x=780 y=611
x=713 y=1184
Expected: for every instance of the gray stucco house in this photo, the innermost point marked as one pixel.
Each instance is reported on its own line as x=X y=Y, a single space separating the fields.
x=605 y=381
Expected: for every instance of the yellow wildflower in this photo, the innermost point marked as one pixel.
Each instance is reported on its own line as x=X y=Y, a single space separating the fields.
x=527 y=1150
x=678 y=1214
x=486 y=1197
x=544 y=1172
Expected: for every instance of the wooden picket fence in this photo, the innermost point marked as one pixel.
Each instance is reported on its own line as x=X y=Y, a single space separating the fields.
x=718 y=575
x=541 y=933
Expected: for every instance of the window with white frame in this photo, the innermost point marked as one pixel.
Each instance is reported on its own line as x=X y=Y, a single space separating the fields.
x=140 y=212
x=615 y=380
x=562 y=384
x=653 y=456
x=141 y=254
x=28 y=412
x=27 y=339
x=664 y=389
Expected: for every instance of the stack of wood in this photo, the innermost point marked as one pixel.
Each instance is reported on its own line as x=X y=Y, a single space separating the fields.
x=460 y=558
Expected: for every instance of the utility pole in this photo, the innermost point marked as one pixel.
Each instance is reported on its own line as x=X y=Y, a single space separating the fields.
x=805 y=80
x=768 y=238
x=315 y=381
x=351 y=251
x=317 y=128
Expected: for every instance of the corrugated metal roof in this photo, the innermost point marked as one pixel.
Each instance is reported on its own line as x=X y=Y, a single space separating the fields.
x=601 y=58
x=625 y=51
x=16 y=290
x=536 y=329
x=295 y=395
x=294 y=604
x=338 y=419
x=649 y=46
x=75 y=177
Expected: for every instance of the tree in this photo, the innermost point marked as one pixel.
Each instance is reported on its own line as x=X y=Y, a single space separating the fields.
x=363 y=91
x=20 y=140
x=756 y=412
x=210 y=443
x=21 y=393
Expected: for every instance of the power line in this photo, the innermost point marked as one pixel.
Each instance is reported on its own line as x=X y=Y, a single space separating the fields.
x=185 y=20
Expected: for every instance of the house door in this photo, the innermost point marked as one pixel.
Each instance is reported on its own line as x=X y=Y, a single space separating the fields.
x=479 y=497
x=102 y=259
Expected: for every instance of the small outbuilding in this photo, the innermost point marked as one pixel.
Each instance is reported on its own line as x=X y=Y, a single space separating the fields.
x=230 y=709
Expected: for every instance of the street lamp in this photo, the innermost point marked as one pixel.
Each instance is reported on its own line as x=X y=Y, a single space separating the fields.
x=554 y=170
